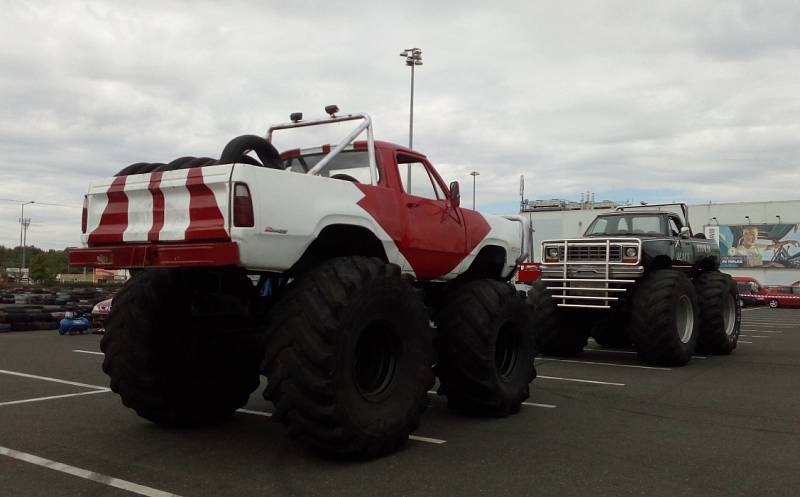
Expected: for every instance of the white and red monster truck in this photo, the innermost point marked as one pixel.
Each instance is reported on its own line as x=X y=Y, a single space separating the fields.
x=356 y=248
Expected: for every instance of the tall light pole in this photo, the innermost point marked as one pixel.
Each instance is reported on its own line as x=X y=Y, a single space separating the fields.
x=23 y=226
x=473 y=174
x=413 y=58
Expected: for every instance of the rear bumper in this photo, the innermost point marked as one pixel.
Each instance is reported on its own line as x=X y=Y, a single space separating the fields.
x=156 y=255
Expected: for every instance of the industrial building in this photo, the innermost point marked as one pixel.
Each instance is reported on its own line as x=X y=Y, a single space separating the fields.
x=757 y=239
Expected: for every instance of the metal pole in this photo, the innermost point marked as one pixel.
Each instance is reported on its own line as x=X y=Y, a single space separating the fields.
x=21 y=223
x=473 y=174
x=25 y=224
x=411 y=113
x=473 y=191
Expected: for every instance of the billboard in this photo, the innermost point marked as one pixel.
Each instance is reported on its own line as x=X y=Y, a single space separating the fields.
x=758 y=245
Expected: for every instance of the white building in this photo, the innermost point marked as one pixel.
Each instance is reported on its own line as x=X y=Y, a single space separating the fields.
x=769 y=218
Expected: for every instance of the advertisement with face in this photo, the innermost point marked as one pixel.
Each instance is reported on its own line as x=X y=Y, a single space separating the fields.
x=759 y=245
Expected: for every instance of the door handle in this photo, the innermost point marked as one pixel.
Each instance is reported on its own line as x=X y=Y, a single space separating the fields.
x=411 y=205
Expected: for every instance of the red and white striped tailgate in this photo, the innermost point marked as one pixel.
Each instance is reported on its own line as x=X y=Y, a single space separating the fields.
x=182 y=205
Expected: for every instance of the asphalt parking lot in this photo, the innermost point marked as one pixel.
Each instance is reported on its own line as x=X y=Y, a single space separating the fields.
x=603 y=424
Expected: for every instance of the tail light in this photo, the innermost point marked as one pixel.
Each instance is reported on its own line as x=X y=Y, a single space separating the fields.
x=242 y=206
x=85 y=214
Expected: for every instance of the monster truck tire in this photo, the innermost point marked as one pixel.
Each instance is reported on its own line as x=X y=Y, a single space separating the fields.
x=558 y=333
x=175 y=369
x=720 y=316
x=485 y=349
x=348 y=358
x=239 y=146
x=664 y=318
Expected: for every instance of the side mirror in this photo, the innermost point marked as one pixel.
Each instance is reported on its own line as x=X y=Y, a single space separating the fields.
x=455 y=194
x=685 y=232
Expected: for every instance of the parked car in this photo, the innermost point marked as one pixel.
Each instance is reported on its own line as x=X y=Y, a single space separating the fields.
x=100 y=313
x=783 y=296
x=750 y=291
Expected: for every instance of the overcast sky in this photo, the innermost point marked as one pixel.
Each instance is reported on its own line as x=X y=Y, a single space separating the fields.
x=654 y=101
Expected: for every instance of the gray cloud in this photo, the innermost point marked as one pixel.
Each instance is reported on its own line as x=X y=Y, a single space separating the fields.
x=697 y=99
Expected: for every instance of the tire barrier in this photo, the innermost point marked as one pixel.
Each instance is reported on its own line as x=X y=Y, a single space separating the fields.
x=29 y=309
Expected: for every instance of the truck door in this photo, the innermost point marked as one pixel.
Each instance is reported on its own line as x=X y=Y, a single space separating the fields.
x=435 y=241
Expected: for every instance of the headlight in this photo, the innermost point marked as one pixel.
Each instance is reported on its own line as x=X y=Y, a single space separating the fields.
x=630 y=252
x=552 y=253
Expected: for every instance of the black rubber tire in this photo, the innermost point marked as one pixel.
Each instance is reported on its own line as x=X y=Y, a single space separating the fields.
x=179 y=163
x=239 y=146
x=486 y=349
x=132 y=169
x=773 y=303
x=720 y=314
x=560 y=333
x=653 y=324
x=318 y=345
x=175 y=369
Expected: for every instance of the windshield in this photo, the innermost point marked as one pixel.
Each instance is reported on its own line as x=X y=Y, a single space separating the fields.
x=350 y=165
x=629 y=224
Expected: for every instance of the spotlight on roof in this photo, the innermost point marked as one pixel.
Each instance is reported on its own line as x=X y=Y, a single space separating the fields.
x=296 y=116
x=332 y=110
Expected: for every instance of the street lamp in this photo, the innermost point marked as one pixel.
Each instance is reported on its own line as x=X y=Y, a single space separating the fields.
x=23 y=226
x=413 y=58
x=779 y=218
x=473 y=174
x=748 y=219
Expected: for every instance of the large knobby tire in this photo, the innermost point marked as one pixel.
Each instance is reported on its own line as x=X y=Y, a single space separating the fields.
x=561 y=333
x=485 y=349
x=664 y=318
x=176 y=369
x=720 y=316
x=349 y=357
x=237 y=148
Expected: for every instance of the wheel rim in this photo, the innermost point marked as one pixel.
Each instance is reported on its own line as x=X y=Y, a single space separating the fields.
x=729 y=315
x=684 y=318
x=506 y=351
x=376 y=357
x=773 y=303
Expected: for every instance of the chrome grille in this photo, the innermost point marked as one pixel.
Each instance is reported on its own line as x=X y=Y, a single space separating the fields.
x=591 y=253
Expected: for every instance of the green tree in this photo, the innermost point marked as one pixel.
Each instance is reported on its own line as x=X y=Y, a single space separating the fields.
x=39 y=269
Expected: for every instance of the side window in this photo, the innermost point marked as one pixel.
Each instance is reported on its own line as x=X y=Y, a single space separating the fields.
x=673 y=227
x=416 y=179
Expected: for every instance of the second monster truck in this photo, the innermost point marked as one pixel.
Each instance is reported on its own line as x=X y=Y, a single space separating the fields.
x=637 y=277
x=357 y=248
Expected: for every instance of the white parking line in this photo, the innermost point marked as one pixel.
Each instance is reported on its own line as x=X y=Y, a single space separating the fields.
x=593 y=349
x=594 y=382
x=86 y=474
x=87 y=352
x=257 y=413
x=594 y=363
x=753 y=336
x=54 y=380
x=764 y=331
x=742 y=341
x=426 y=439
x=411 y=437
x=771 y=323
x=536 y=404
x=39 y=399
